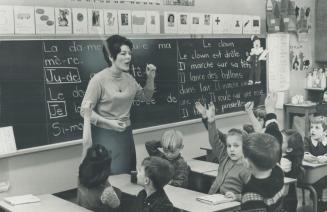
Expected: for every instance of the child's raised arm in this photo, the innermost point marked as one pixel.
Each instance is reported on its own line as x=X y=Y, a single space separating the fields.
x=254 y=121
x=203 y=111
x=215 y=136
x=152 y=147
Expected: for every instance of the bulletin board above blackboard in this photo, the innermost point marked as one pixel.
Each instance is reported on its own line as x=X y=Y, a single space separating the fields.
x=42 y=83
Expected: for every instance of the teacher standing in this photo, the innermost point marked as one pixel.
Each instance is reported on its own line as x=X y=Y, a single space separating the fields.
x=110 y=94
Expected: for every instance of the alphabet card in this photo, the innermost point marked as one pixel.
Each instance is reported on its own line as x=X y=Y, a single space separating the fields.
x=7 y=20
x=44 y=20
x=220 y=23
x=251 y=25
x=63 y=20
x=170 y=23
x=24 y=20
x=153 y=22
x=80 y=21
x=95 y=21
x=183 y=26
x=110 y=22
x=139 y=21
x=124 y=21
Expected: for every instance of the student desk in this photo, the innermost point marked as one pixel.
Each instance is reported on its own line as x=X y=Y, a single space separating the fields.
x=48 y=203
x=183 y=199
x=313 y=173
x=198 y=181
x=302 y=109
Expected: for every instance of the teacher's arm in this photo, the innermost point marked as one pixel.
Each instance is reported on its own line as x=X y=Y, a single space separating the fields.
x=91 y=98
x=147 y=91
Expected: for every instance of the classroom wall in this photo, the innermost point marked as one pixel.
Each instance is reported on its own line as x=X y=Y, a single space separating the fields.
x=56 y=170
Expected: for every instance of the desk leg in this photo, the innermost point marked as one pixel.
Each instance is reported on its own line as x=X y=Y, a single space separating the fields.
x=314 y=194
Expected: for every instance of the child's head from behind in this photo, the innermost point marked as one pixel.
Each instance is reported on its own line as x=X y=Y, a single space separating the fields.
x=248 y=128
x=155 y=172
x=172 y=143
x=234 y=143
x=292 y=143
x=262 y=151
x=318 y=127
x=95 y=167
x=260 y=114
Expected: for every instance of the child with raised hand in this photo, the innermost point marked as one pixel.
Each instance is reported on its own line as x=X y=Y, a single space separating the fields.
x=315 y=151
x=264 y=191
x=94 y=191
x=232 y=173
x=291 y=163
x=154 y=174
x=172 y=145
x=269 y=124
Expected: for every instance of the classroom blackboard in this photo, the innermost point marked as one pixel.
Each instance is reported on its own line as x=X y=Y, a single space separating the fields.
x=42 y=83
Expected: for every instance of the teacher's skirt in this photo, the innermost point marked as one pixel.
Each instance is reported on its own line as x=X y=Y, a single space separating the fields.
x=121 y=145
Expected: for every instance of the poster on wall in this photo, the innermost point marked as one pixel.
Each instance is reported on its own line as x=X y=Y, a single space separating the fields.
x=95 y=21
x=110 y=21
x=44 y=20
x=124 y=21
x=7 y=20
x=138 y=21
x=300 y=55
x=170 y=23
x=251 y=25
x=281 y=15
x=153 y=22
x=63 y=20
x=183 y=23
x=24 y=20
x=206 y=23
x=303 y=14
x=79 y=21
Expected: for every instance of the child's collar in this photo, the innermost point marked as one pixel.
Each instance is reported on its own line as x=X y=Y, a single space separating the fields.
x=315 y=142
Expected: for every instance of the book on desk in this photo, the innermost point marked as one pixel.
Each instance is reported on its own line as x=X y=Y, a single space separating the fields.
x=214 y=199
x=23 y=199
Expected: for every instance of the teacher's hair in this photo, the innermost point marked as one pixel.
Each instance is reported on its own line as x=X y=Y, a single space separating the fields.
x=111 y=47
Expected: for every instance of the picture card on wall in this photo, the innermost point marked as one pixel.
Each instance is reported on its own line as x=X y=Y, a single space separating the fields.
x=220 y=23
x=24 y=20
x=153 y=22
x=154 y=2
x=195 y=23
x=44 y=20
x=139 y=21
x=80 y=21
x=206 y=23
x=124 y=21
x=95 y=21
x=63 y=20
x=251 y=25
x=141 y=2
x=183 y=26
x=170 y=23
x=236 y=24
x=7 y=25
x=110 y=22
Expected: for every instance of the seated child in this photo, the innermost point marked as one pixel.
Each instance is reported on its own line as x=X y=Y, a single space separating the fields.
x=322 y=106
x=232 y=174
x=291 y=164
x=154 y=174
x=264 y=191
x=172 y=144
x=315 y=151
x=269 y=124
x=94 y=190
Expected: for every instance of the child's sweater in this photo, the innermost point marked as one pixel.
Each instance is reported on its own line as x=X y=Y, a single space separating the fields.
x=314 y=147
x=232 y=175
x=264 y=194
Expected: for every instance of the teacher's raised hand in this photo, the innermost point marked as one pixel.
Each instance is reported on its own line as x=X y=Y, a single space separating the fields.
x=150 y=71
